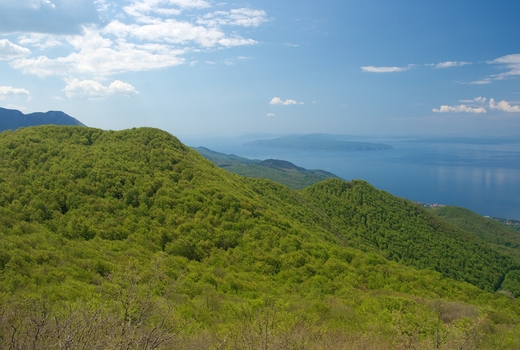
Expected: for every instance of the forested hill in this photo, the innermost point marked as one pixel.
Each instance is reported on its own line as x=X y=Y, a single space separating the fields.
x=407 y=233
x=11 y=119
x=277 y=170
x=130 y=237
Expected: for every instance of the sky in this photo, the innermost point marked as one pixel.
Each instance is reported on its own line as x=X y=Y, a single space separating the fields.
x=217 y=68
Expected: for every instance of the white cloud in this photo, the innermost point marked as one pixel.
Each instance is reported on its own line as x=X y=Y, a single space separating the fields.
x=9 y=91
x=479 y=99
x=167 y=31
x=511 y=63
x=449 y=64
x=481 y=82
x=237 y=17
x=10 y=51
x=459 y=109
x=372 y=69
x=121 y=47
x=503 y=106
x=94 y=90
x=162 y=7
x=236 y=41
x=385 y=69
x=271 y=114
x=279 y=101
x=41 y=41
x=100 y=57
x=143 y=35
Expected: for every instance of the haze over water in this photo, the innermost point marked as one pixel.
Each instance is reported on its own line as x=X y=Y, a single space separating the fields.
x=483 y=178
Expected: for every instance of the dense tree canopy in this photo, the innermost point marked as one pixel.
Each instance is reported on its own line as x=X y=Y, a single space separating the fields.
x=135 y=232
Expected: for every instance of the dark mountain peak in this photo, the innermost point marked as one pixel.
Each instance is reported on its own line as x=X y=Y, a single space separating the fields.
x=12 y=119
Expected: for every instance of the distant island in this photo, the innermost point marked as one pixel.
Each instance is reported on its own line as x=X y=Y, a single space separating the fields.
x=281 y=171
x=12 y=119
x=319 y=142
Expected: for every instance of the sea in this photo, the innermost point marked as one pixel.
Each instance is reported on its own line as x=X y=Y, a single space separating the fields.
x=482 y=178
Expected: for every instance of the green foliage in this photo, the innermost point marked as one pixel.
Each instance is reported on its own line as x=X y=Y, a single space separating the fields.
x=504 y=238
x=514 y=224
x=130 y=237
x=512 y=283
x=485 y=228
x=406 y=233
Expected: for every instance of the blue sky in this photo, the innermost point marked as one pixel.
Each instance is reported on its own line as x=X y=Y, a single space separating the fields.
x=215 y=68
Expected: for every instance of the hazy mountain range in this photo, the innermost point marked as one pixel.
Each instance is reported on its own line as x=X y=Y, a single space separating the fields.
x=319 y=142
x=11 y=119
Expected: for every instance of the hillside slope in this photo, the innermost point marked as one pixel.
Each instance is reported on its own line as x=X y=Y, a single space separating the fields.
x=130 y=237
x=487 y=229
x=407 y=233
x=505 y=239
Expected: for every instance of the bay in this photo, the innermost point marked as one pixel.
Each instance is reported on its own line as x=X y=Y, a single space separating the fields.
x=482 y=178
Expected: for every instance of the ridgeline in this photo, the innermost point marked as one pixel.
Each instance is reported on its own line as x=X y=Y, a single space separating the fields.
x=280 y=171
x=12 y=119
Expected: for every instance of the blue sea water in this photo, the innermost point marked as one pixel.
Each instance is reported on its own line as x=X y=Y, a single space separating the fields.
x=482 y=178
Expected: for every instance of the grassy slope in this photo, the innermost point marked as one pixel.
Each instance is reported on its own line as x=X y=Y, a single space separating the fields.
x=136 y=231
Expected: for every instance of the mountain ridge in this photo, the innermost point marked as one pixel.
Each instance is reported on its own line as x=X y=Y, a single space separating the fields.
x=281 y=171
x=12 y=119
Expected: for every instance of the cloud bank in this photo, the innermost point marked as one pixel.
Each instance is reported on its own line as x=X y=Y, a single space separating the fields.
x=502 y=106
x=9 y=91
x=510 y=63
x=93 y=90
x=459 y=109
x=140 y=36
x=10 y=51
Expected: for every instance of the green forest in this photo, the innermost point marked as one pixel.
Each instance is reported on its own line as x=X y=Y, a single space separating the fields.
x=132 y=240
